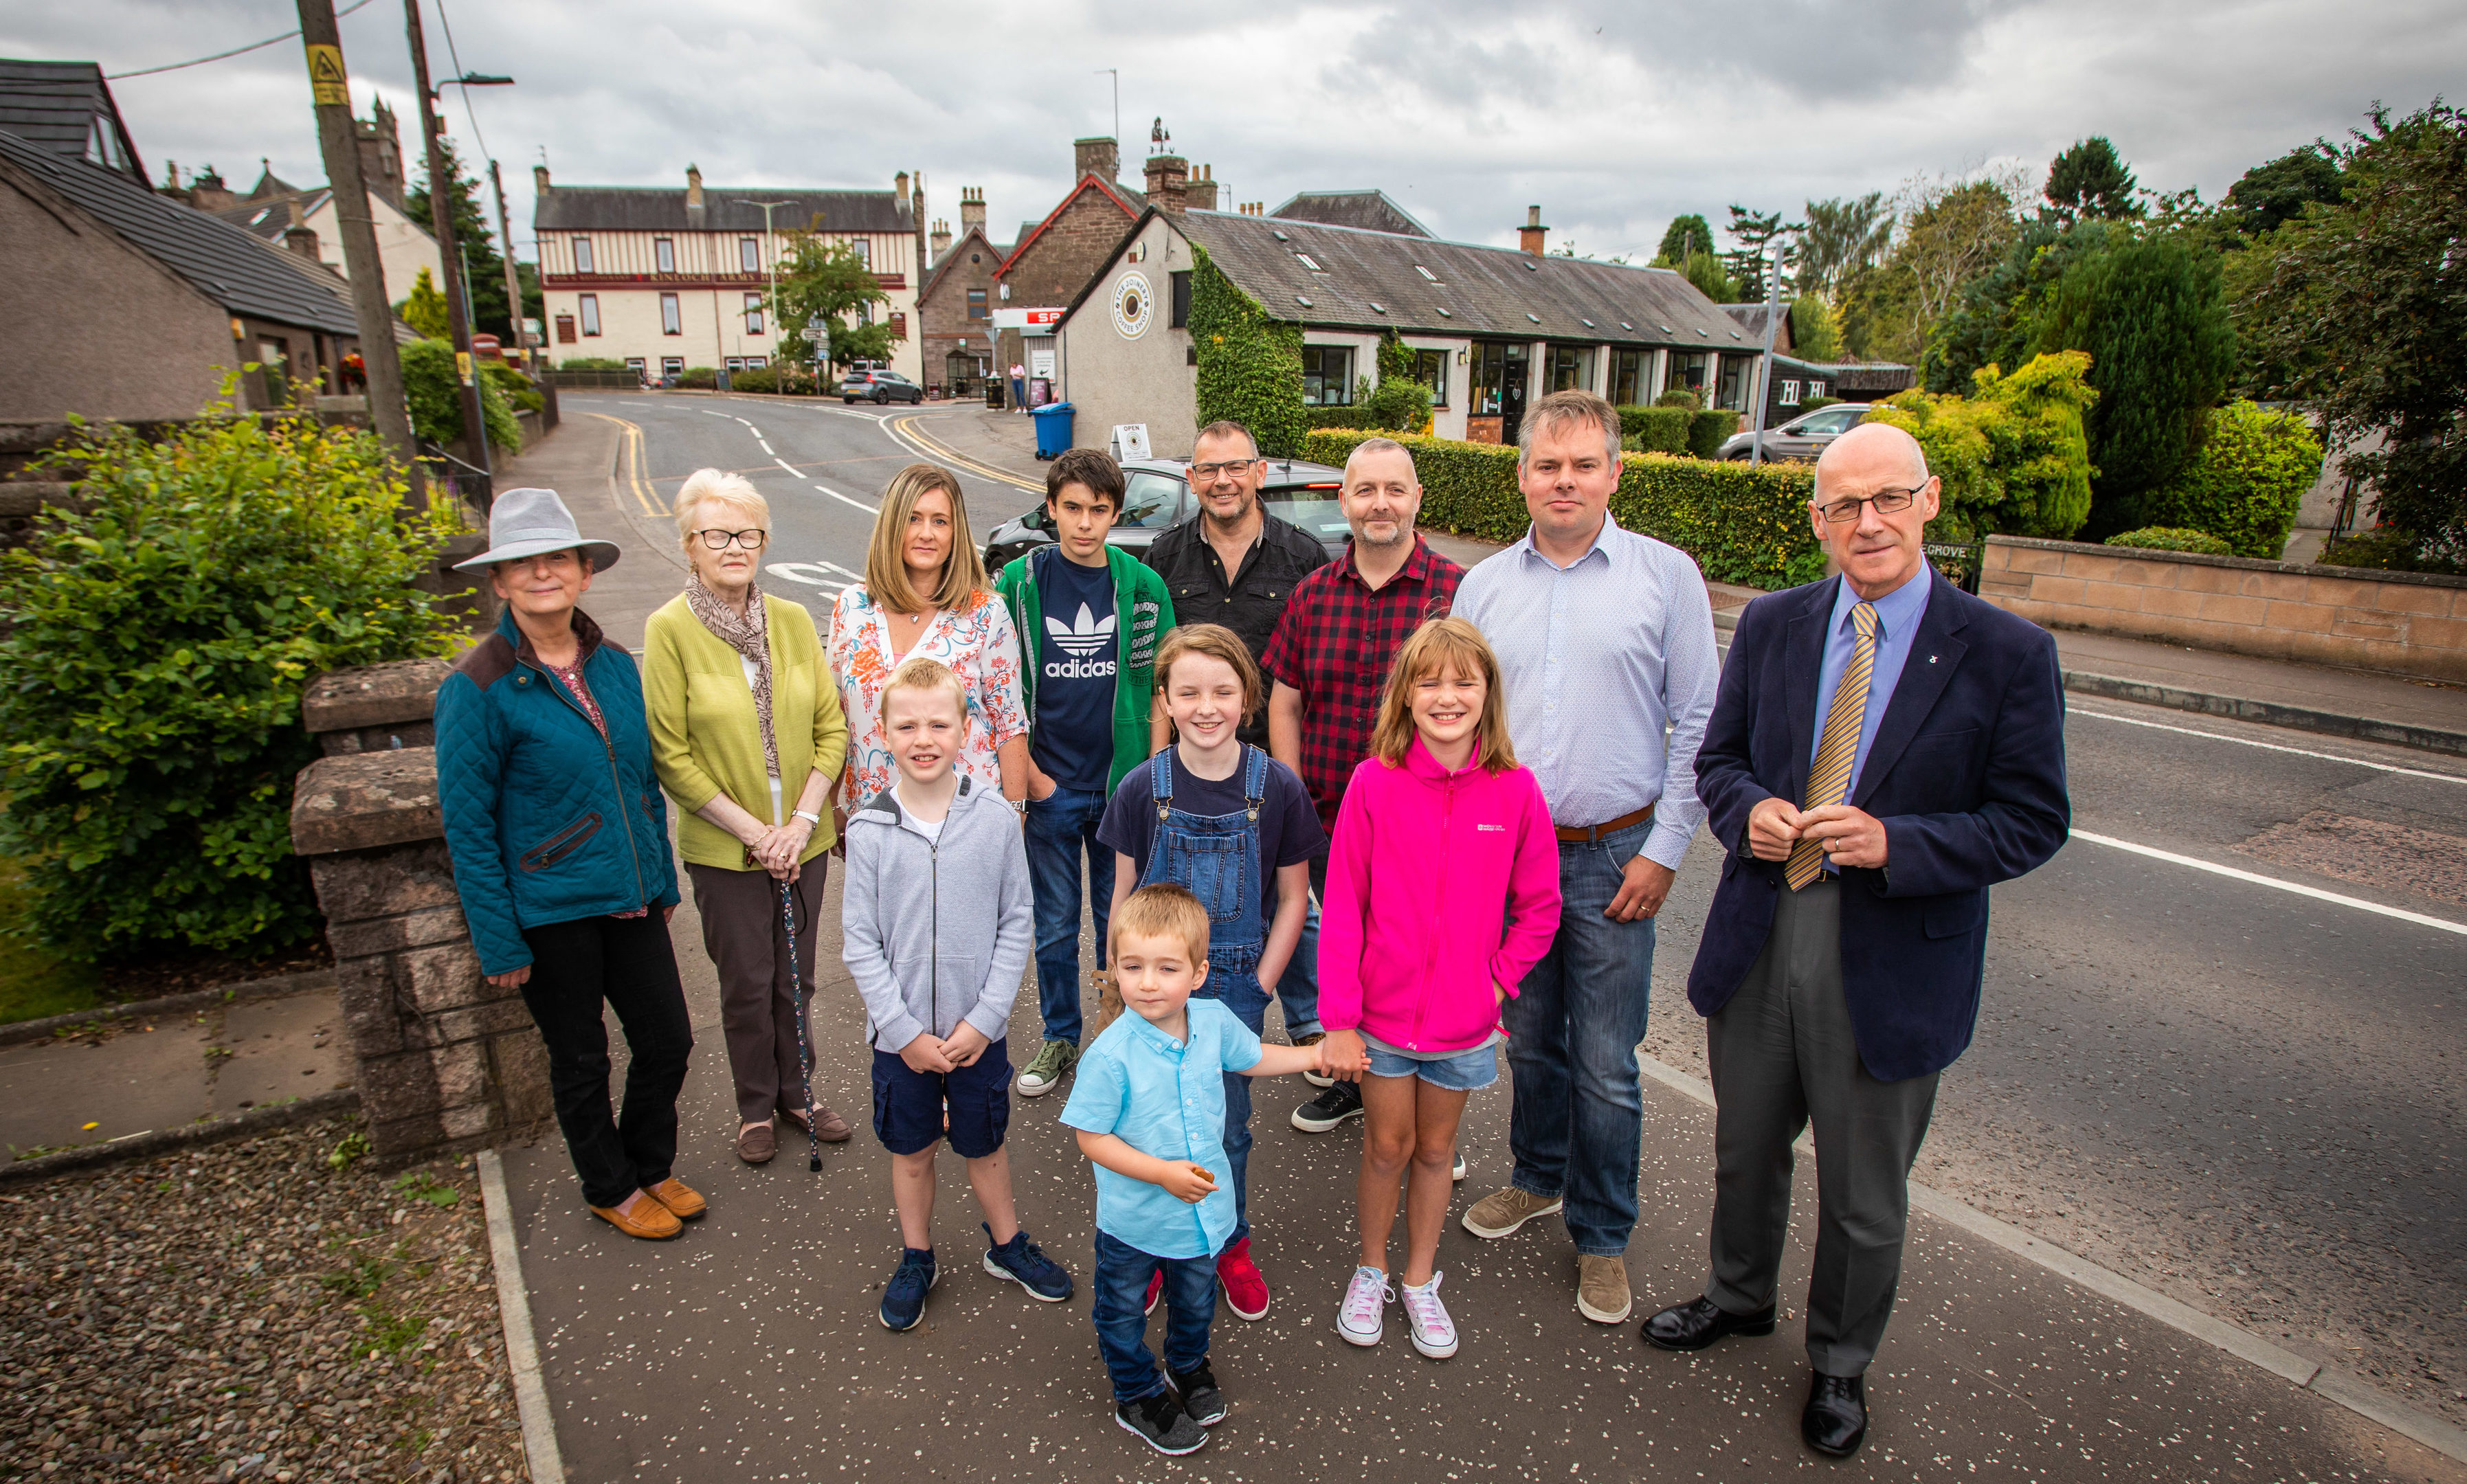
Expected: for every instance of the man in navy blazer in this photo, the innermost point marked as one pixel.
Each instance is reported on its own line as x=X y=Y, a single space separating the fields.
x=1884 y=748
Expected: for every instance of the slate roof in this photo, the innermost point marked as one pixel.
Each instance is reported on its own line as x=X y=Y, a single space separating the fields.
x=1751 y=319
x=951 y=255
x=224 y=262
x=270 y=218
x=1370 y=210
x=1878 y=376
x=1132 y=202
x=659 y=209
x=1483 y=290
x=53 y=106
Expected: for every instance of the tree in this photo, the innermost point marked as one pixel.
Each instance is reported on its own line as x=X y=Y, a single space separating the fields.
x=2152 y=312
x=2090 y=180
x=828 y=281
x=1706 y=272
x=2363 y=306
x=1842 y=237
x=424 y=310
x=1815 y=335
x=2269 y=194
x=1952 y=232
x=1685 y=234
x=484 y=270
x=1754 y=232
x=1996 y=320
x=2012 y=454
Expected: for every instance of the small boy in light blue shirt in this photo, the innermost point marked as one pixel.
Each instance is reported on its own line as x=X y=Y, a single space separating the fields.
x=1149 y=1108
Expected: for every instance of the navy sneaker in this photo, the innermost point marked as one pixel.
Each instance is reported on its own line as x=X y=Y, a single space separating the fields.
x=1024 y=1262
x=1199 y=1393
x=903 y=1297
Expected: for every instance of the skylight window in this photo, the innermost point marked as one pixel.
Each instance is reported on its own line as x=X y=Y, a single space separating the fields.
x=1308 y=263
x=1444 y=311
x=1535 y=318
x=1299 y=299
x=1376 y=307
x=1588 y=324
x=1279 y=236
x=1426 y=273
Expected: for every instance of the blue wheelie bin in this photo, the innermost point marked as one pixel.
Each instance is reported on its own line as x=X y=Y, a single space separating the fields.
x=1052 y=429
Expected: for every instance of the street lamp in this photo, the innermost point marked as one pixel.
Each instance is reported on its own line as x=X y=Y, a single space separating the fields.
x=770 y=260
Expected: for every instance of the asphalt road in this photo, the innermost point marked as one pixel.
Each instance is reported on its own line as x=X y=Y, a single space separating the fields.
x=2245 y=1097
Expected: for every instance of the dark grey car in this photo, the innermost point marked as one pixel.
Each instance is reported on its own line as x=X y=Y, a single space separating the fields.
x=1804 y=437
x=879 y=387
x=1157 y=494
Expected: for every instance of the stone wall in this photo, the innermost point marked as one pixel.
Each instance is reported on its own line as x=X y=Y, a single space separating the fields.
x=2399 y=622
x=447 y=1060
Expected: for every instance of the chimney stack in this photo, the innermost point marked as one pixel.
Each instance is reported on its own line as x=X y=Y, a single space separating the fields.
x=207 y=191
x=299 y=238
x=1530 y=236
x=540 y=179
x=941 y=238
x=1168 y=177
x=899 y=189
x=1199 y=192
x=694 y=196
x=972 y=209
x=1101 y=158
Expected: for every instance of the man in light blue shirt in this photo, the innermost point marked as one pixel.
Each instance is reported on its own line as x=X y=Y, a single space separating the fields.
x=1605 y=642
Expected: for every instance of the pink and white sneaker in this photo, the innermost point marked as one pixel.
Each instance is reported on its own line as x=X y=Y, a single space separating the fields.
x=1362 y=1317
x=1426 y=1319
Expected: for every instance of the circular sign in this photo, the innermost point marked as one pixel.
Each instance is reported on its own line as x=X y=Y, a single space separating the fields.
x=1133 y=307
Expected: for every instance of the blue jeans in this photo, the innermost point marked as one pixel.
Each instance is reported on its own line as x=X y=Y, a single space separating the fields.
x=1573 y=1026
x=1062 y=832
x=1120 y=1309
x=1297 y=989
x=1242 y=995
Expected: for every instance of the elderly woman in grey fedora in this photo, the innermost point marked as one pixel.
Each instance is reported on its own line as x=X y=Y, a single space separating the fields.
x=561 y=845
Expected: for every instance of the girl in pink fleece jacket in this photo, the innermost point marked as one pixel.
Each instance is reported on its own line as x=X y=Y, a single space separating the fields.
x=1443 y=891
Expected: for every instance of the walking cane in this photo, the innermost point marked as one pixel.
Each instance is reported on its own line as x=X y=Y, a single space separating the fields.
x=804 y=1050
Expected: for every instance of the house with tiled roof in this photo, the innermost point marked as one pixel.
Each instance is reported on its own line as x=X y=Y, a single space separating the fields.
x=1490 y=328
x=1372 y=211
x=955 y=306
x=664 y=280
x=66 y=109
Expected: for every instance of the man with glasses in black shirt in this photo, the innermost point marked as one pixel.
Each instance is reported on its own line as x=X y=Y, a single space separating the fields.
x=1235 y=564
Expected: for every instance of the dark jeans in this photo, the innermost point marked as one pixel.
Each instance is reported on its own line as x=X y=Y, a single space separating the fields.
x=1298 y=988
x=628 y=962
x=1782 y=1054
x=1578 y=1119
x=1120 y=1311
x=1241 y=993
x=1062 y=835
x=748 y=943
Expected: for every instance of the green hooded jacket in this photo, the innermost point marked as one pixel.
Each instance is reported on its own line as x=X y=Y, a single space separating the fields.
x=1142 y=612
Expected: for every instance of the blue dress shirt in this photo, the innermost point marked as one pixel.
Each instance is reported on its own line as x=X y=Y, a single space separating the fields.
x=1897 y=623
x=1164 y=1097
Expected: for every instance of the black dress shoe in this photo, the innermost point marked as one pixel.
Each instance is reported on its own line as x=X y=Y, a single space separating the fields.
x=1836 y=1420
x=1697 y=1323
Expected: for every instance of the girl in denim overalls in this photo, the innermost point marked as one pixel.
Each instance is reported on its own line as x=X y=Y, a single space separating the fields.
x=1223 y=856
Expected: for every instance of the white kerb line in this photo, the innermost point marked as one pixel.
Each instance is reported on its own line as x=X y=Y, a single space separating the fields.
x=2272 y=747
x=2300 y=889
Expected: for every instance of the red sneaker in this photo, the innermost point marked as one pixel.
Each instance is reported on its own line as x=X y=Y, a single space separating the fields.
x=1156 y=1291
x=1246 y=1293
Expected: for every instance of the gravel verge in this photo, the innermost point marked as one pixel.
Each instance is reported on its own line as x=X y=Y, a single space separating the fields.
x=249 y=1311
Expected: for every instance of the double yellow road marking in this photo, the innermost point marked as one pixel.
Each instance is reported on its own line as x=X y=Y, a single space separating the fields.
x=906 y=430
x=629 y=465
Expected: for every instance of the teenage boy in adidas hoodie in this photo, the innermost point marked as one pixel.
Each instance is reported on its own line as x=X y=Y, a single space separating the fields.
x=1089 y=617
x=935 y=922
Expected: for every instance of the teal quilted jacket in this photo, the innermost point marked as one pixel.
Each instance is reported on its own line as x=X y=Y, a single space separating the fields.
x=546 y=821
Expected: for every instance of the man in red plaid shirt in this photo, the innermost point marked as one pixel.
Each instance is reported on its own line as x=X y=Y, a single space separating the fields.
x=1329 y=660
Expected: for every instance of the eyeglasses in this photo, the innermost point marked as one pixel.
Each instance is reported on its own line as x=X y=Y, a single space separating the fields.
x=1887 y=502
x=1237 y=467
x=721 y=540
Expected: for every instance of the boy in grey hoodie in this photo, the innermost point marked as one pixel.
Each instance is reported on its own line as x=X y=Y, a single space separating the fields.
x=938 y=920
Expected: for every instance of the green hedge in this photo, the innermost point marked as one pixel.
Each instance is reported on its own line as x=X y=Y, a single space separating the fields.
x=2245 y=484
x=700 y=378
x=1654 y=430
x=1742 y=524
x=436 y=398
x=1250 y=366
x=2173 y=538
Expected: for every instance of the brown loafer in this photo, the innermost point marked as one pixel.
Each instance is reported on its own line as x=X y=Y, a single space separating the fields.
x=681 y=1199
x=758 y=1144
x=828 y=1126
x=649 y=1220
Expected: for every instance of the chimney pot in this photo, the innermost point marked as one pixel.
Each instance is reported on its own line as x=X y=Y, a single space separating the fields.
x=1532 y=236
x=540 y=179
x=972 y=208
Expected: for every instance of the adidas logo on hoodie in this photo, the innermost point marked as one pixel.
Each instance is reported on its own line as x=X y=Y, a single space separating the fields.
x=1081 y=641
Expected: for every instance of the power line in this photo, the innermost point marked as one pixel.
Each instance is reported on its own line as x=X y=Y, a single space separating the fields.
x=450 y=55
x=254 y=46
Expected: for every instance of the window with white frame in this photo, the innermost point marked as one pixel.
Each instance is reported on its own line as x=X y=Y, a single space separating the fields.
x=672 y=320
x=673 y=366
x=749 y=254
x=864 y=250
x=754 y=314
x=637 y=364
x=663 y=255
x=590 y=314
x=583 y=255
x=1816 y=389
x=1790 y=393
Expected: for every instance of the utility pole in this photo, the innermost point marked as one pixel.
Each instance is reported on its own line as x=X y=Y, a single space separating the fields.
x=513 y=279
x=770 y=265
x=442 y=190
x=1764 y=375
x=330 y=85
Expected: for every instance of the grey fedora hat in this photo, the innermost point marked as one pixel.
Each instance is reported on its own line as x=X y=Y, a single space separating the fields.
x=529 y=522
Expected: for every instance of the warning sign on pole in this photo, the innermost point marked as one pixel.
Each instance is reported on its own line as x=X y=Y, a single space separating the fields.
x=327 y=83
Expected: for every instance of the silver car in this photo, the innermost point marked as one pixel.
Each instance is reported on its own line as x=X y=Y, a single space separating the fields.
x=1804 y=437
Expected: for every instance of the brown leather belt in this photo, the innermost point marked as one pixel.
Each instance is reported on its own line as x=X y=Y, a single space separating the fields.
x=1592 y=834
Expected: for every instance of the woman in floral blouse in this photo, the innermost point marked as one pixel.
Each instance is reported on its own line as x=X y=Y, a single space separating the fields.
x=925 y=594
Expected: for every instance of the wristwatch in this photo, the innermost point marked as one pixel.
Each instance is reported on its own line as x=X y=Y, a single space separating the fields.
x=807 y=815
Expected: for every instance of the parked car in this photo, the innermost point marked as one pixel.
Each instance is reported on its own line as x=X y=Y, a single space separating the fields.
x=1158 y=495
x=879 y=387
x=1804 y=437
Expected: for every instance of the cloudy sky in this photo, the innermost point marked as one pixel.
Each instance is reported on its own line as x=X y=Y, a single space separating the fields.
x=1613 y=115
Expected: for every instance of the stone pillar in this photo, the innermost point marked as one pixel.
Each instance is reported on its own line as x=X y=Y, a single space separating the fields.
x=446 y=1061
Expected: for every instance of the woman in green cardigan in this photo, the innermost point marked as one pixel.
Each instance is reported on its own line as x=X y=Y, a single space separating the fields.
x=739 y=700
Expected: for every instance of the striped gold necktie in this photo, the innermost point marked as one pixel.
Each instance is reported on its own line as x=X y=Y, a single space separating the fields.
x=1828 y=782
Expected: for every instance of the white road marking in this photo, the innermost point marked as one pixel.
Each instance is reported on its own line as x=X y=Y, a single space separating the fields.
x=2272 y=747
x=809 y=573
x=845 y=500
x=791 y=468
x=2298 y=888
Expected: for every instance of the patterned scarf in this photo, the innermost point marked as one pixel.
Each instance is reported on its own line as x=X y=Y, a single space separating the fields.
x=749 y=636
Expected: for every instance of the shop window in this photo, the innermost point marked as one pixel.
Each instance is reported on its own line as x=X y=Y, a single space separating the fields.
x=1328 y=376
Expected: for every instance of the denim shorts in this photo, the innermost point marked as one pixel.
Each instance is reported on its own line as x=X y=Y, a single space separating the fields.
x=1458 y=1072
x=909 y=1105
